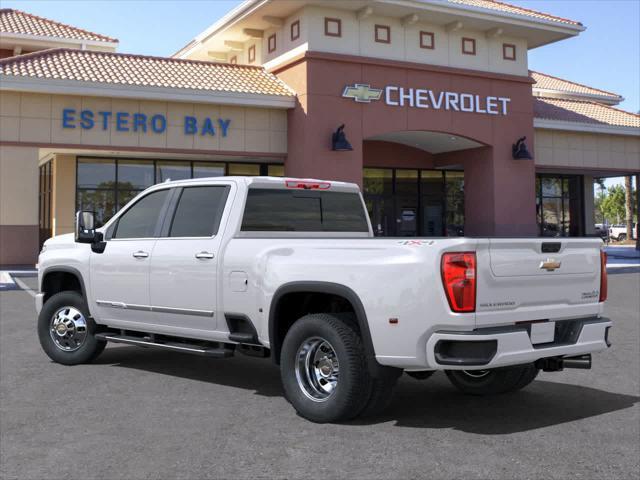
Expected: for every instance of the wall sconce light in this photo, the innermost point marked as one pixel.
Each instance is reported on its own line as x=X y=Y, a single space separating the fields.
x=519 y=150
x=339 y=142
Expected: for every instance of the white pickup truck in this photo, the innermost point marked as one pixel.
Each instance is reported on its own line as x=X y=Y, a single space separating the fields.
x=619 y=232
x=289 y=269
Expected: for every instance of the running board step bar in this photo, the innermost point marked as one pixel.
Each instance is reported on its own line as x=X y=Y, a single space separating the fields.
x=215 y=352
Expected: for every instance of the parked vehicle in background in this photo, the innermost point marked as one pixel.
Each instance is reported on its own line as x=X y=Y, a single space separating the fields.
x=601 y=230
x=619 y=232
x=289 y=268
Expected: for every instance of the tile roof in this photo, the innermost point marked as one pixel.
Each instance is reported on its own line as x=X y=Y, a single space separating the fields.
x=548 y=82
x=514 y=10
x=143 y=71
x=583 y=112
x=16 y=21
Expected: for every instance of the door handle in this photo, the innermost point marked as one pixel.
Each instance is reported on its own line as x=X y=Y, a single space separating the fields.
x=140 y=254
x=204 y=255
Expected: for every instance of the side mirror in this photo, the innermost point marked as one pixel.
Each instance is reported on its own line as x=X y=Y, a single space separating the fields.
x=85 y=227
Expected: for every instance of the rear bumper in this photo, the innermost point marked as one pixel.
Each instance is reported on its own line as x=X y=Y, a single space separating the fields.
x=500 y=347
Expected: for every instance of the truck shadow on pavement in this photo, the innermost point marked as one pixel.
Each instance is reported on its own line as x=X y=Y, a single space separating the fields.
x=541 y=404
x=432 y=403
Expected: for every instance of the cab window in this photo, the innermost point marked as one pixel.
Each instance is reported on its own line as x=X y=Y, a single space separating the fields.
x=141 y=219
x=199 y=211
x=276 y=210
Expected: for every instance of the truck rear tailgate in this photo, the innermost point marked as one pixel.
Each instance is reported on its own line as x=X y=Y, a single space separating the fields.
x=529 y=279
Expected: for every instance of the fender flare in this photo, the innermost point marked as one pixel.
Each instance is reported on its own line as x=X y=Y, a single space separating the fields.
x=64 y=269
x=332 y=289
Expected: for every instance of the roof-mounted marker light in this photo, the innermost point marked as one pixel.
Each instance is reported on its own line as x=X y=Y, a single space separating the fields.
x=306 y=185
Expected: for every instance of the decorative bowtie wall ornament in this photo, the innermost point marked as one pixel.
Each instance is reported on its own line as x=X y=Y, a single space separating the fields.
x=519 y=150
x=339 y=142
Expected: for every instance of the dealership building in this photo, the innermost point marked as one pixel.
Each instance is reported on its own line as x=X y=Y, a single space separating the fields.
x=434 y=96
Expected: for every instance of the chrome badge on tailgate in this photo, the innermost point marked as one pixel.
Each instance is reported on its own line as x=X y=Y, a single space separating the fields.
x=550 y=265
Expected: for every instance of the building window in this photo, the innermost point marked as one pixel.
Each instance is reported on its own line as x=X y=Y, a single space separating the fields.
x=104 y=185
x=382 y=34
x=427 y=40
x=233 y=60
x=275 y=170
x=271 y=43
x=407 y=202
x=508 y=51
x=242 y=169
x=252 y=54
x=559 y=205
x=295 y=30
x=166 y=171
x=332 y=27
x=468 y=46
x=44 y=202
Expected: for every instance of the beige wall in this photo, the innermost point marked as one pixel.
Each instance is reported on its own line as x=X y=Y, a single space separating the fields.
x=555 y=148
x=18 y=185
x=18 y=205
x=30 y=121
x=63 y=200
x=37 y=118
x=358 y=38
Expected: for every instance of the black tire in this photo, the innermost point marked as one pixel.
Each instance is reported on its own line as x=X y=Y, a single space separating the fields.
x=382 y=386
x=492 y=382
x=353 y=386
x=89 y=348
x=529 y=374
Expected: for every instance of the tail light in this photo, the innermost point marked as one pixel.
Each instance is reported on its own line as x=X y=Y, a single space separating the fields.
x=459 y=279
x=603 y=276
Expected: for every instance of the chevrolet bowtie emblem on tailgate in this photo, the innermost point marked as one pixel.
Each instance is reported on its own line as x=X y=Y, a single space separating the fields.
x=362 y=93
x=550 y=265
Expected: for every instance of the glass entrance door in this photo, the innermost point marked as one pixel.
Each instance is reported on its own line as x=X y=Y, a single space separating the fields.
x=414 y=203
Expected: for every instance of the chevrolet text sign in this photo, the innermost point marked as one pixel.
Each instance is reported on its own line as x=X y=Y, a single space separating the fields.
x=425 y=98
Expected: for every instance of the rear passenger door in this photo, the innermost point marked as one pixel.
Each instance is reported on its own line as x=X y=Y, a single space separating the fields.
x=185 y=261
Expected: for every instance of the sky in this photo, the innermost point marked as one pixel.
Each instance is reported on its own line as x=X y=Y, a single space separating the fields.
x=605 y=56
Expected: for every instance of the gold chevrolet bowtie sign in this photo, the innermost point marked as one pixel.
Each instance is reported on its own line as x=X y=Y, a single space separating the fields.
x=550 y=265
x=362 y=93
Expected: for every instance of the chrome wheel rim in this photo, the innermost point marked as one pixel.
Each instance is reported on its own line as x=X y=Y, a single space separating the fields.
x=476 y=373
x=317 y=369
x=68 y=329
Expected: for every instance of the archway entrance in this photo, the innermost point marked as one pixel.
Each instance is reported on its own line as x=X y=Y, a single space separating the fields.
x=414 y=183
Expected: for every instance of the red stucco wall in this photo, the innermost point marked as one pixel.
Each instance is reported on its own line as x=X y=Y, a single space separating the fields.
x=500 y=191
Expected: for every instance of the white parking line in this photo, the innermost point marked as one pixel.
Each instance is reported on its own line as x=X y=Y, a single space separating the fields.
x=25 y=287
x=6 y=278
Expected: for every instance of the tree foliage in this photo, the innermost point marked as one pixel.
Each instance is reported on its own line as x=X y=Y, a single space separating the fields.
x=610 y=205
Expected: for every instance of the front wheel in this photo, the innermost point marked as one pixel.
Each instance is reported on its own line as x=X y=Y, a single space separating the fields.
x=492 y=382
x=66 y=331
x=323 y=368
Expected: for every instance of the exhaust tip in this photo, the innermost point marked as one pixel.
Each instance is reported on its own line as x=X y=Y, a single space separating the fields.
x=581 y=361
x=557 y=364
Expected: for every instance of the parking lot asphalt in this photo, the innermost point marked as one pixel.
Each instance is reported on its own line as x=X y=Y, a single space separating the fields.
x=141 y=413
